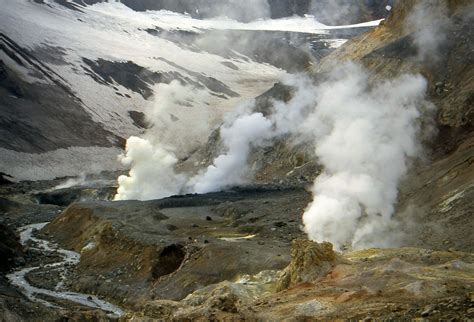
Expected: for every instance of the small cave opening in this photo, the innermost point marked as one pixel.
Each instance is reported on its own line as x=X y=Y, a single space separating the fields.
x=169 y=260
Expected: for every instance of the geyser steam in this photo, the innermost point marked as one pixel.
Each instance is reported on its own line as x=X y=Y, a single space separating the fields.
x=152 y=158
x=230 y=168
x=152 y=172
x=363 y=137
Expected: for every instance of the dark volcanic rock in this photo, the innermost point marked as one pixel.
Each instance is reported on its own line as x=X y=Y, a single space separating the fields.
x=5 y=179
x=10 y=247
x=139 y=119
x=140 y=80
x=128 y=74
x=50 y=54
x=211 y=83
x=64 y=197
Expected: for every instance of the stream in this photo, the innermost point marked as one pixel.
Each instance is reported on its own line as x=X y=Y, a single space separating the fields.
x=69 y=258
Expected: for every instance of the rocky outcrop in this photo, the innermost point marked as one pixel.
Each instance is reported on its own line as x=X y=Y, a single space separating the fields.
x=373 y=284
x=379 y=284
x=309 y=262
x=390 y=50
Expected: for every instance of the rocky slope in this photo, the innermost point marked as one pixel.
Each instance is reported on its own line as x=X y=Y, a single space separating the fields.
x=55 y=118
x=374 y=284
x=438 y=192
x=192 y=241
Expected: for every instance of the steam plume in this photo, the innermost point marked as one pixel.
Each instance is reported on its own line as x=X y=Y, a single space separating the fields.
x=152 y=158
x=429 y=21
x=364 y=137
x=230 y=168
x=152 y=174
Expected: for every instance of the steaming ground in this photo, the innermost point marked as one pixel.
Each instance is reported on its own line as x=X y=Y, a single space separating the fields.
x=356 y=129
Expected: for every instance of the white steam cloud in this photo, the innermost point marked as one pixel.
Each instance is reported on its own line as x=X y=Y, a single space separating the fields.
x=429 y=22
x=331 y=12
x=364 y=134
x=152 y=173
x=179 y=118
x=71 y=182
x=230 y=168
x=364 y=137
x=179 y=123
